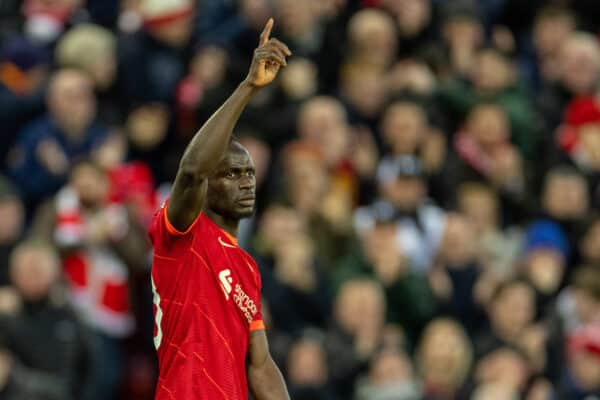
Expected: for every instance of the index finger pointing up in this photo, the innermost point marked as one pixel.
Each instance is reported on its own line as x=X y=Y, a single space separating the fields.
x=266 y=33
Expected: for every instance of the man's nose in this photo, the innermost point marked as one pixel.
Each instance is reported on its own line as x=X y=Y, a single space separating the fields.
x=247 y=182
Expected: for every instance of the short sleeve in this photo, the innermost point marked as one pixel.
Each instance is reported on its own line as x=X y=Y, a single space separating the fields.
x=163 y=234
x=257 y=321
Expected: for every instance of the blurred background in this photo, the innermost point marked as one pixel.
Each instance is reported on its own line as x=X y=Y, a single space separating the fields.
x=428 y=222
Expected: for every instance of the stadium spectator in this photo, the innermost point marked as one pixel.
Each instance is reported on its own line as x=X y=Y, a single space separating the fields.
x=372 y=39
x=546 y=252
x=307 y=369
x=483 y=152
x=41 y=330
x=414 y=21
x=49 y=146
x=403 y=192
x=294 y=280
x=101 y=245
x=504 y=366
x=579 y=66
x=355 y=333
x=582 y=375
x=391 y=376
x=511 y=310
x=551 y=26
x=93 y=49
x=380 y=256
x=444 y=359
x=405 y=130
x=497 y=248
x=152 y=61
x=565 y=199
x=456 y=272
x=462 y=34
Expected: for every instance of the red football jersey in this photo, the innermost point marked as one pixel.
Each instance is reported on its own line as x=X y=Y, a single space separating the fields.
x=206 y=303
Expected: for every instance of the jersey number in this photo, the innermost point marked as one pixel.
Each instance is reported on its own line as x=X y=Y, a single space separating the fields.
x=157 y=316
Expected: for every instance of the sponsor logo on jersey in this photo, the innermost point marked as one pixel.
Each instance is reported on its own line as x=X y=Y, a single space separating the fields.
x=240 y=298
x=226 y=281
x=244 y=303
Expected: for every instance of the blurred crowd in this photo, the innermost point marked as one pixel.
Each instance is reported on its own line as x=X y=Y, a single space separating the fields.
x=428 y=223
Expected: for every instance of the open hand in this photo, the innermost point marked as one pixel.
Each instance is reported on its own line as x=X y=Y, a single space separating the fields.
x=269 y=56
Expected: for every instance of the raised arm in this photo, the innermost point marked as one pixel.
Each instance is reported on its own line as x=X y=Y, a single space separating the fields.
x=266 y=381
x=209 y=144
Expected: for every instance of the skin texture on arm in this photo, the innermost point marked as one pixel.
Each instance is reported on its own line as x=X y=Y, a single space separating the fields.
x=266 y=381
x=210 y=143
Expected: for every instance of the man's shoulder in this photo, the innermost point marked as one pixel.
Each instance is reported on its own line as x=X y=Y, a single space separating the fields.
x=160 y=226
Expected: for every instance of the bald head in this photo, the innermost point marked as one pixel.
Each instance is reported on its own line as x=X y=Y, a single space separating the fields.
x=236 y=147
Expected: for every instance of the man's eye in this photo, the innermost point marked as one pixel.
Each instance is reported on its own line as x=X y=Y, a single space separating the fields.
x=250 y=173
x=230 y=174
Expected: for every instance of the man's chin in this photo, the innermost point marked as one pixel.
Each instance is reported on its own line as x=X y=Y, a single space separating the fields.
x=245 y=212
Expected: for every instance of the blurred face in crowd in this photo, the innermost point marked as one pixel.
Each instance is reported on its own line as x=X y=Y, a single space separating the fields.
x=494 y=391
x=585 y=367
x=279 y=222
x=403 y=127
x=590 y=244
x=71 y=102
x=91 y=185
x=372 y=37
x=585 y=289
x=550 y=31
x=444 y=355
x=34 y=269
x=299 y=79
x=587 y=306
x=390 y=366
x=147 y=126
x=12 y=215
x=383 y=252
x=480 y=205
x=111 y=152
x=318 y=116
x=360 y=307
x=565 y=196
x=488 y=125
x=255 y=12
x=580 y=63
x=512 y=310
x=209 y=66
x=491 y=71
x=545 y=269
x=364 y=88
x=458 y=243
x=296 y=18
x=307 y=364
x=463 y=32
x=322 y=122
x=412 y=16
x=307 y=179
x=405 y=192
x=503 y=367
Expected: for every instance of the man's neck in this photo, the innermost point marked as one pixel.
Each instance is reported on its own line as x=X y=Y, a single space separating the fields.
x=229 y=225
